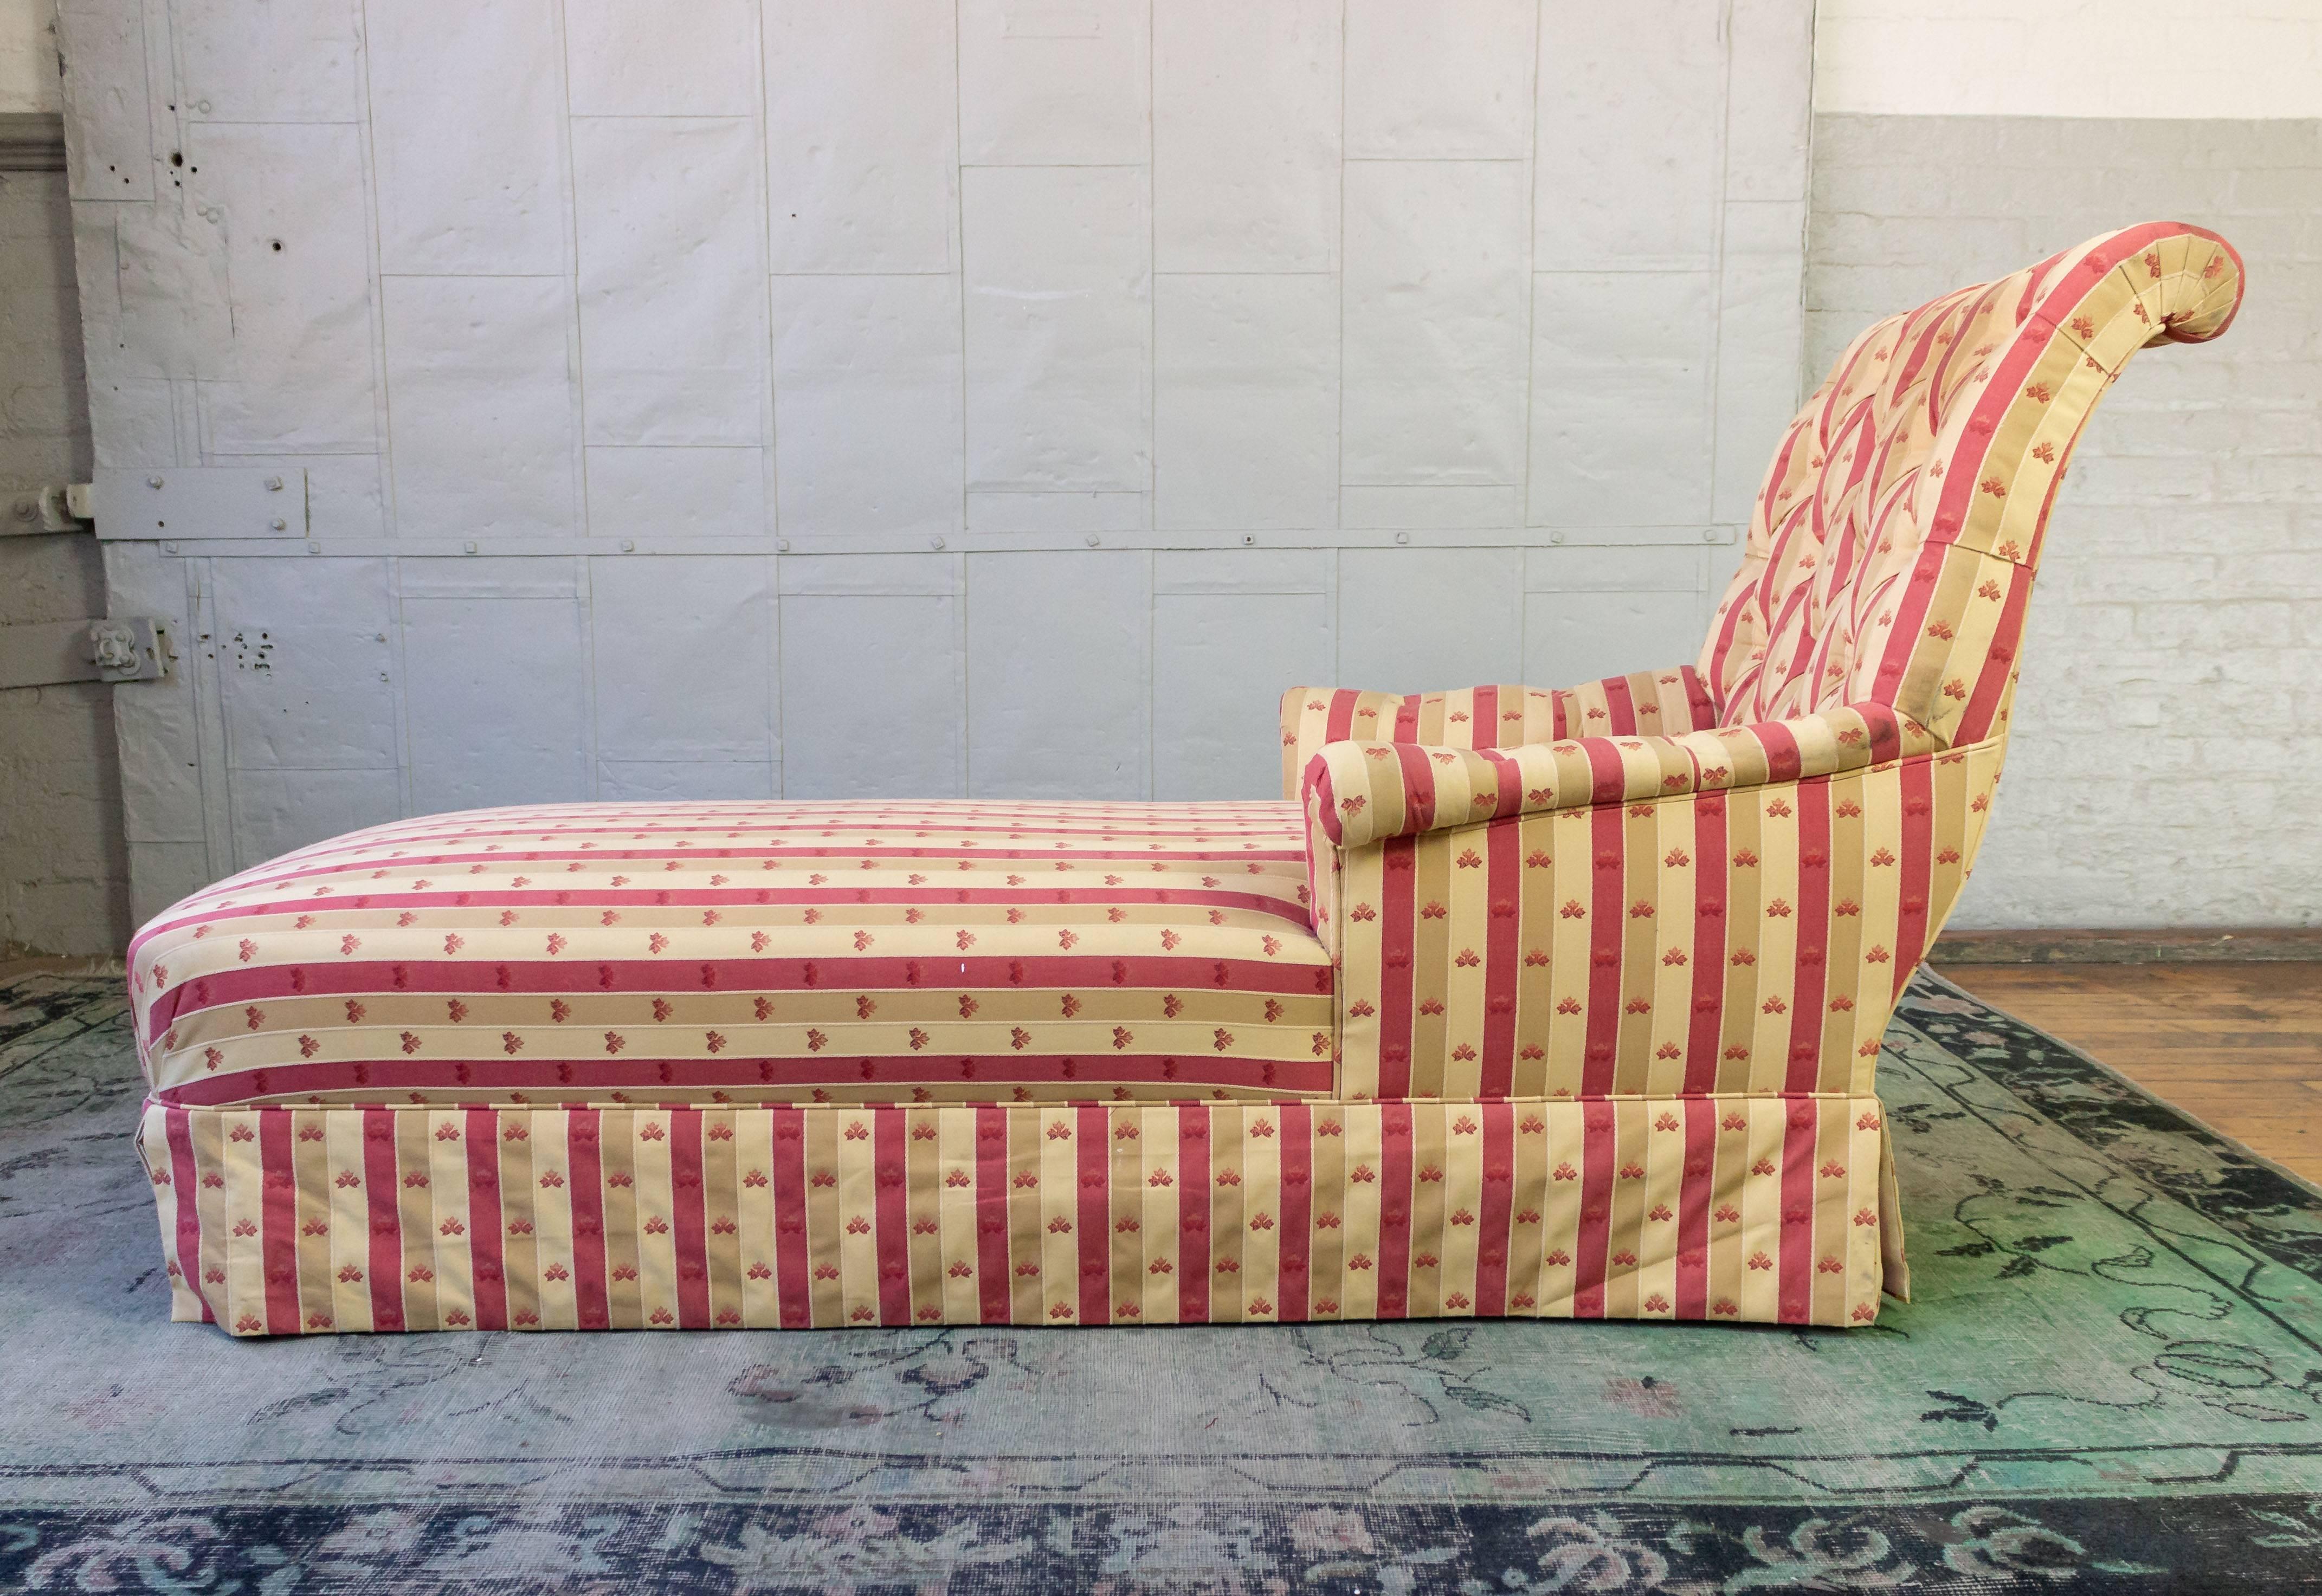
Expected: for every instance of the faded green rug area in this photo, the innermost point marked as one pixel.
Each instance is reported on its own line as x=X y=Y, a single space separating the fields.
x=2111 y=1379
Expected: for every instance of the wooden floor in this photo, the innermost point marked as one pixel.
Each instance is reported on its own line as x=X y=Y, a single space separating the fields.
x=2237 y=1046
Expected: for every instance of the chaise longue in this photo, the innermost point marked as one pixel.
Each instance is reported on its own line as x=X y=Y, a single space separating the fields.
x=1517 y=1002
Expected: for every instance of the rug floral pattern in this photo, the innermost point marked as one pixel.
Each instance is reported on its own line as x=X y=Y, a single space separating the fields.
x=2110 y=1378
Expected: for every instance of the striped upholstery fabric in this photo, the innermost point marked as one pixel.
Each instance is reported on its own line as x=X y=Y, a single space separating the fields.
x=1553 y=1003
x=277 y=1221
x=735 y=952
x=1893 y=545
x=1664 y=701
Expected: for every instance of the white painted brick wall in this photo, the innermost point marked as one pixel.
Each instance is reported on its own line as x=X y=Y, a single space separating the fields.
x=2168 y=735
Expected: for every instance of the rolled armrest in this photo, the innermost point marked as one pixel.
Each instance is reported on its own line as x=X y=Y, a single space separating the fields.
x=1365 y=792
x=1665 y=702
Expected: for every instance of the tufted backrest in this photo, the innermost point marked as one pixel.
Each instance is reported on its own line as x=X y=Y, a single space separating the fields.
x=1893 y=545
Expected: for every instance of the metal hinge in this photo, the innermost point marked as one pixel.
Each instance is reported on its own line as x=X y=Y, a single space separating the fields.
x=41 y=654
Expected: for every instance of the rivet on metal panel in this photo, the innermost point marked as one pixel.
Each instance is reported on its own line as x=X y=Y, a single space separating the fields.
x=782 y=545
x=152 y=481
x=468 y=547
x=168 y=548
x=1402 y=537
x=279 y=524
x=378 y=638
x=1093 y=540
x=1555 y=537
x=933 y=543
x=628 y=546
x=1248 y=538
x=311 y=548
x=274 y=485
x=1709 y=535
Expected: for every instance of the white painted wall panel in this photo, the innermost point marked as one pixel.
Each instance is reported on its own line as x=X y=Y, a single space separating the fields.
x=874 y=700
x=1054 y=82
x=863 y=135
x=298 y=262
x=868 y=404
x=161 y=789
x=108 y=116
x=270 y=62
x=1245 y=401
x=173 y=302
x=1058 y=263
x=1270 y=613
x=692 y=323
x=672 y=279
x=1761 y=326
x=497 y=695
x=1437 y=321
x=678 y=492
x=1057 y=665
x=305 y=664
x=1621 y=399
x=1439 y=79
x=1769 y=99
x=625 y=58
x=637 y=781
x=481 y=400
x=1245 y=135
x=467 y=105
x=1417 y=620
x=1631 y=134
x=277 y=810
x=1591 y=613
x=683 y=653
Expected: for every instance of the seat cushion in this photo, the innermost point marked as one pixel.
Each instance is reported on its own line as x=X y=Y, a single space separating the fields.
x=752 y=951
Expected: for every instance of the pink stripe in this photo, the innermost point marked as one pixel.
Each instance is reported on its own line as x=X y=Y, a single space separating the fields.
x=1193 y=1214
x=991 y=1283
x=793 y=1290
x=1338 y=727
x=1606 y=923
x=1503 y=953
x=383 y=1199
x=1484 y=731
x=1297 y=1230
x=689 y=1219
x=1494 y=1223
x=1398 y=940
x=486 y=1252
x=232 y=988
x=1093 y=1155
x=1621 y=705
x=703 y=1075
x=279 y=1223
x=185 y=1197
x=1797 y=1261
x=1710 y=882
x=1597 y=1153
x=1998 y=661
x=584 y=1135
x=1917 y=780
x=1395 y=1190
x=1698 y=696
x=893 y=1218
x=1806 y=996
x=1693 y=1208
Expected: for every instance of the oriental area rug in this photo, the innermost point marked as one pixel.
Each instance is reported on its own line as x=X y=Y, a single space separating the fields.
x=2110 y=1378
